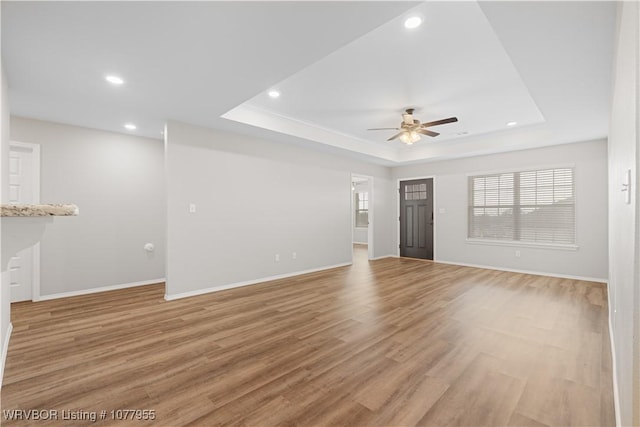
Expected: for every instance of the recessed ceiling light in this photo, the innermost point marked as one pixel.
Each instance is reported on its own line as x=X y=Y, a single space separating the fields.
x=512 y=123
x=114 y=80
x=130 y=126
x=274 y=94
x=413 y=22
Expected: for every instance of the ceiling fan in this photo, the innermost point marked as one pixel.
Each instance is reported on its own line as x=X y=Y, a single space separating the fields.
x=411 y=129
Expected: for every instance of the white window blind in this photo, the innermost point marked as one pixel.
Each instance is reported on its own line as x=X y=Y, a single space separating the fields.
x=527 y=206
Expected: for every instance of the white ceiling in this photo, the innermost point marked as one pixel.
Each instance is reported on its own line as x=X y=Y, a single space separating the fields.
x=342 y=67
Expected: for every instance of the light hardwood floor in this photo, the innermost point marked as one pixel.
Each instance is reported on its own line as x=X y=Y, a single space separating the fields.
x=391 y=342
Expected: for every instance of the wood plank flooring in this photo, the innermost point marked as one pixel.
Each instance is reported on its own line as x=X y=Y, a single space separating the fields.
x=393 y=342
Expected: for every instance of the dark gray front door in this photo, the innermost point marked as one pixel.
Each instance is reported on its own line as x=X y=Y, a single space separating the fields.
x=416 y=218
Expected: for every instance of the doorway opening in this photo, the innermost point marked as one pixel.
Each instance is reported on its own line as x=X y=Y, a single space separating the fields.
x=362 y=221
x=24 y=188
x=416 y=220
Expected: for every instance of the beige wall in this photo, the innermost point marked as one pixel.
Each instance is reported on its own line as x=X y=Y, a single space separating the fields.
x=5 y=295
x=590 y=165
x=256 y=199
x=623 y=217
x=117 y=182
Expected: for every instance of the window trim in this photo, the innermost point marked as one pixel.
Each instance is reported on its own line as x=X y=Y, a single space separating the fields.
x=521 y=169
x=525 y=244
x=519 y=243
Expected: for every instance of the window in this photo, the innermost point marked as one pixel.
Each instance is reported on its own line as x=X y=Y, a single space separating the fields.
x=362 y=209
x=526 y=206
x=415 y=192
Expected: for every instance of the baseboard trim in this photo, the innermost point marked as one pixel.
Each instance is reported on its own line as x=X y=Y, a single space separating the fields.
x=614 y=370
x=536 y=273
x=383 y=257
x=197 y=292
x=100 y=289
x=5 y=350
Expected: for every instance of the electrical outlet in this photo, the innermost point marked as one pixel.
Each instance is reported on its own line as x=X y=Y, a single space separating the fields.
x=294 y=255
x=517 y=254
x=192 y=208
x=277 y=257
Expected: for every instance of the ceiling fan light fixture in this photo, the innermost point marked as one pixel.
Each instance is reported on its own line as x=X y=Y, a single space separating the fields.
x=411 y=129
x=410 y=137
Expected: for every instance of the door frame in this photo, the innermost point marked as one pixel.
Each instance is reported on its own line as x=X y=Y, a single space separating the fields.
x=370 y=228
x=435 y=216
x=35 y=170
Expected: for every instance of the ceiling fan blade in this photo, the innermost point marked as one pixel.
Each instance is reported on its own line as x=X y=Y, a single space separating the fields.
x=395 y=136
x=440 y=122
x=427 y=132
x=384 y=129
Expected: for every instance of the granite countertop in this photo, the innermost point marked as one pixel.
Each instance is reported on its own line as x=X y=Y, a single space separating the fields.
x=38 y=210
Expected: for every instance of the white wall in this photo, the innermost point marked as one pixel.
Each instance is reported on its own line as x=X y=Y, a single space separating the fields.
x=590 y=260
x=623 y=234
x=254 y=199
x=117 y=181
x=360 y=235
x=5 y=295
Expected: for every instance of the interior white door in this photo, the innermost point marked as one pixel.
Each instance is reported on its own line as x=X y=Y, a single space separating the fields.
x=24 y=187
